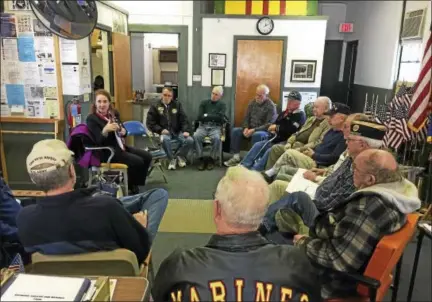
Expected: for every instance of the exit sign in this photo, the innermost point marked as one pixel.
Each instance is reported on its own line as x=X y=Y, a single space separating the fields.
x=346 y=27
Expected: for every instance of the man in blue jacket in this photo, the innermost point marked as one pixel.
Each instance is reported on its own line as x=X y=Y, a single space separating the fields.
x=324 y=154
x=9 y=208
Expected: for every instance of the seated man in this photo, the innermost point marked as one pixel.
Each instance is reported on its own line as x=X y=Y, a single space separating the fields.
x=335 y=188
x=309 y=136
x=285 y=125
x=345 y=238
x=211 y=117
x=69 y=221
x=168 y=119
x=237 y=264
x=260 y=114
x=324 y=154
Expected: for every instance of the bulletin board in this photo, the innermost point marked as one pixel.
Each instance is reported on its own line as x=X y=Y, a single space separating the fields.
x=31 y=85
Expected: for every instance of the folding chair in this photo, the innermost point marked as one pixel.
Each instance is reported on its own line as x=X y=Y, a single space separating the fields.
x=377 y=278
x=207 y=141
x=137 y=128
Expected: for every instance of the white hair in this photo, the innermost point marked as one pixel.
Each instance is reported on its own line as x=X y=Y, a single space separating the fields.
x=264 y=87
x=51 y=180
x=325 y=100
x=218 y=90
x=243 y=196
x=372 y=143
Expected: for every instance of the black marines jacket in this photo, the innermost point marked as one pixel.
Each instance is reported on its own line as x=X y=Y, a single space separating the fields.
x=243 y=267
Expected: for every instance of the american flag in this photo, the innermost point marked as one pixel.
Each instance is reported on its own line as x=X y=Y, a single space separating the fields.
x=422 y=98
x=17 y=264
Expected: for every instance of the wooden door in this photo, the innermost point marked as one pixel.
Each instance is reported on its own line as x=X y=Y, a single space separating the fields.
x=258 y=62
x=122 y=75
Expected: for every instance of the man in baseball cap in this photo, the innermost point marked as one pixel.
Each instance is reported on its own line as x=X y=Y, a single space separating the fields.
x=69 y=221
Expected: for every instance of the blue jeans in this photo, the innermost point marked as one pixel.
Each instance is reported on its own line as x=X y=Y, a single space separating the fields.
x=154 y=201
x=257 y=156
x=299 y=202
x=184 y=145
x=214 y=133
x=237 y=136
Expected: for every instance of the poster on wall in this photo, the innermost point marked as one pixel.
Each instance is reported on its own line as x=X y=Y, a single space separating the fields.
x=83 y=49
x=7 y=26
x=24 y=24
x=68 y=50
x=119 y=22
x=9 y=50
x=26 y=51
x=39 y=29
x=44 y=49
x=12 y=73
x=49 y=76
x=71 y=78
x=31 y=74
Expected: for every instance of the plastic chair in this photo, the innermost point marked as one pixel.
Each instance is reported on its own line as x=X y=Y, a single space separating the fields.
x=388 y=254
x=137 y=128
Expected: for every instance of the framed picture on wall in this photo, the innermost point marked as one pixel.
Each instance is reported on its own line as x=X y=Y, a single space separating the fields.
x=218 y=77
x=303 y=70
x=217 y=60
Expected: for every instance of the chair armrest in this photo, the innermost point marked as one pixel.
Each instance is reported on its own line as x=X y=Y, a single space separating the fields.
x=143 y=272
x=111 y=150
x=371 y=283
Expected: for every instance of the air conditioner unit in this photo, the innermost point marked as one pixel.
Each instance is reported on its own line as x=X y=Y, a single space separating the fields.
x=413 y=24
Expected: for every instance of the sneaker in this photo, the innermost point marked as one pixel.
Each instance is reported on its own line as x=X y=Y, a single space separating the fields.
x=210 y=164
x=201 y=164
x=232 y=162
x=172 y=164
x=181 y=162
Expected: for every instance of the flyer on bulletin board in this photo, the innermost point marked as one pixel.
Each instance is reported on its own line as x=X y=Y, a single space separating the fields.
x=15 y=94
x=26 y=51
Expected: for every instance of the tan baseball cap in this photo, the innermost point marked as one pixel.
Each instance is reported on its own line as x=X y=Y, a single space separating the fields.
x=52 y=152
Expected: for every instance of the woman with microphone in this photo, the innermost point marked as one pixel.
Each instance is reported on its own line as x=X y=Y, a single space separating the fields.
x=107 y=129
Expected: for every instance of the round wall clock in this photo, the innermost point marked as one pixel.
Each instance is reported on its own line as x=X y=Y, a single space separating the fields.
x=265 y=25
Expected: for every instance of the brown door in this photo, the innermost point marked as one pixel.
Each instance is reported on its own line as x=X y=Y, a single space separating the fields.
x=258 y=62
x=122 y=75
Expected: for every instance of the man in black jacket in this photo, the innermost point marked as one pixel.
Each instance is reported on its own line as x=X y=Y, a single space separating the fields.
x=168 y=119
x=287 y=123
x=238 y=264
x=68 y=221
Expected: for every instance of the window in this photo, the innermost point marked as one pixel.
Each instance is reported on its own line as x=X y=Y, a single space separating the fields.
x=410 y=63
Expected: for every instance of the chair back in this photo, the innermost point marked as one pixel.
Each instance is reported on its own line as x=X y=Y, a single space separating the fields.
x=386 y=255
x=119 y=262
x=80 y=138
x=135 y=128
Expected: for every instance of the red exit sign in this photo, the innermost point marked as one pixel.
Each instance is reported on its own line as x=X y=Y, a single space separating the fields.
x=346 y=27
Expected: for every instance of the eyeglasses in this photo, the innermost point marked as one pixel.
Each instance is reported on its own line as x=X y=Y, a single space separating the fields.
x=167 y=95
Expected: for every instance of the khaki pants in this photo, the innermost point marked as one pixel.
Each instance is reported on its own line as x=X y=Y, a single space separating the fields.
x=277 y=151
x=286 y=173
x=277 y=190
x=295 y=159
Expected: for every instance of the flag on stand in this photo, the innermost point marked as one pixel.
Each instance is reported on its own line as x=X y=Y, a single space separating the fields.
x=422 y=98
x=17 y=265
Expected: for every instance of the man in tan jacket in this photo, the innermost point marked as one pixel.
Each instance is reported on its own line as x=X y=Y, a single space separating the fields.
x=310 y=134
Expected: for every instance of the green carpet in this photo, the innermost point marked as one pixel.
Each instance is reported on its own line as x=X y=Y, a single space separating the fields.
x=188 y=216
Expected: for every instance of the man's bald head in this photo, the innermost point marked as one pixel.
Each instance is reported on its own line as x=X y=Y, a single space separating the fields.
x=321 y=105
x=374 y=167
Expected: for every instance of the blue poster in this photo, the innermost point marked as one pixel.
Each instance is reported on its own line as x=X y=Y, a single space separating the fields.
x=15 y=95
x=26 y=51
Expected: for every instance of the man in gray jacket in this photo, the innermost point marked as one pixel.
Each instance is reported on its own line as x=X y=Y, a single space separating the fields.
x=260 y=114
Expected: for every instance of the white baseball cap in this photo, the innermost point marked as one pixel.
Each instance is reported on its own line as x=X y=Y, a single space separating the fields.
x=53 y=152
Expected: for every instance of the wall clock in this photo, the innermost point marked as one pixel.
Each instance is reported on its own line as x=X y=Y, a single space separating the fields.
x=265 y=25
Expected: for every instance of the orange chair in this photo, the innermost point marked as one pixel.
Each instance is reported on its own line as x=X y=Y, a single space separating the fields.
x=377 y=278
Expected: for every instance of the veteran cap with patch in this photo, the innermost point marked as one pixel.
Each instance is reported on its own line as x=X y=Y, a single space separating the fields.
x=339 y=108
x=47 y=155
x=368 y=129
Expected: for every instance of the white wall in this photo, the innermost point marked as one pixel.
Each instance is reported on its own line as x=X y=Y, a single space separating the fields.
x=336 y=13
x=163 y=13
x=306 y=40
x=376 y=26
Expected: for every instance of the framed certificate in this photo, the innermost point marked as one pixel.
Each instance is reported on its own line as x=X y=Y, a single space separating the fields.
x=218 y=77
x=217 y=60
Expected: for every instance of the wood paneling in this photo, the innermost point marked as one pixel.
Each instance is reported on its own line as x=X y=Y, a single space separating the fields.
x=258 y=62
x=122 y=75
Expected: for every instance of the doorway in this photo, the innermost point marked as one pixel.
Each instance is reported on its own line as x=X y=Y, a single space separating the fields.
x=257 y=62
x=100 y=60
x=349 y=72
x=330 y=73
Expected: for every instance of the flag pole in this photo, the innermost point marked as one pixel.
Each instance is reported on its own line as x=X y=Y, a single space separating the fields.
x=376 y=107
x=365 y=105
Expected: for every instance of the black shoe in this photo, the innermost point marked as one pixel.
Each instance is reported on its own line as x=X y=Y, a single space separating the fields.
x=210 y=164
x=201 y=164
x=267 y=178
x=134 y=190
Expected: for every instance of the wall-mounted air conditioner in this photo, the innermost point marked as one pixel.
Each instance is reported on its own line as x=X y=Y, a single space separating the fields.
x=413 y=24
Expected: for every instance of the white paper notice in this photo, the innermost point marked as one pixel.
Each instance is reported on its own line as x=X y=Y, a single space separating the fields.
x=49 y=77
x=24 y=23
x=68 y=50
x=299 y=183
x=12 y=72
x=35 y=108
x=31 y=74
x=4 y=110
x=43 y=288
x=9 y=50
x=51 y=108
x=44 y=49
x=71 y=79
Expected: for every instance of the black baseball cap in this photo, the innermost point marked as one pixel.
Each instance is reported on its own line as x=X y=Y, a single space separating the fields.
x=339 y=108
x=372 y=130
x=294 y=95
